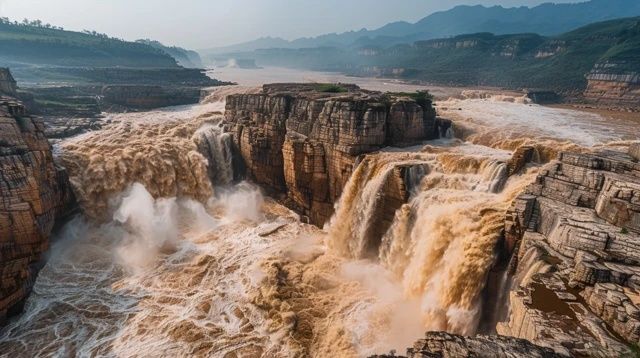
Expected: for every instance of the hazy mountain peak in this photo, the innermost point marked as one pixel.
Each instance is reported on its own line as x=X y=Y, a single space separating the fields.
x=545 y=19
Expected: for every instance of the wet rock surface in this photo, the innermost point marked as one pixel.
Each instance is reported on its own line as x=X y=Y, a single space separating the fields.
x=302 y=140
x=444 y=345
x=576 y=238
x=33 y=193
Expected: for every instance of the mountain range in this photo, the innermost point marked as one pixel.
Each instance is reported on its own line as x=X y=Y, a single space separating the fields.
x=560 y=62
x=545 y=19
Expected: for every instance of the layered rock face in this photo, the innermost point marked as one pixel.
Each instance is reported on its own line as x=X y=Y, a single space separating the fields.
x=7 y=83
x=609 y=83
x=33 y=193
x=294 y=138
x=144 y=97
x=576 y=235
x=444 y=345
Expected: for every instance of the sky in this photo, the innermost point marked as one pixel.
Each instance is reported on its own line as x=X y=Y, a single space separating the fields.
x=202 y=24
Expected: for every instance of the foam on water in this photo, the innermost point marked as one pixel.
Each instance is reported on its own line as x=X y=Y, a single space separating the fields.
x=534 y=121
x=167 y=264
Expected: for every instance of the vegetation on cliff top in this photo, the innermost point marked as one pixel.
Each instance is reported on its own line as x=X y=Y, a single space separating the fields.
x=185 y=58
x=330 y=88
x=31 y=42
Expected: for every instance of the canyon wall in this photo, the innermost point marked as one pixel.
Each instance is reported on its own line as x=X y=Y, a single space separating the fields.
x=576 y=260
x=611 y=84
x=33 y=193
x=145 y=97
x=301 y=140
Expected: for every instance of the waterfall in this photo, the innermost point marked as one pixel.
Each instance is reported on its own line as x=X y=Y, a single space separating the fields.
x=216 y=145
x=352 y=230
x=441 y=244
x=413 y=177
x=495 y=176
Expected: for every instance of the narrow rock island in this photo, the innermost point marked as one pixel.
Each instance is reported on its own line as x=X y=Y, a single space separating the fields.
x=304 y=139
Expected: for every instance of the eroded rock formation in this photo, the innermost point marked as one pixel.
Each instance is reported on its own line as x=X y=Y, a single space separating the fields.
x=575 y=232
x=145 y=97
x=613 y=84
x=297 y=139
x=444 y=345
x=33 y=192
x=7 y=83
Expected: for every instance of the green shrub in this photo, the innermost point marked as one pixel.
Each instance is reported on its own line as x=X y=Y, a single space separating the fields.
x=624 y=231
x=423 y=98
x=330 y=88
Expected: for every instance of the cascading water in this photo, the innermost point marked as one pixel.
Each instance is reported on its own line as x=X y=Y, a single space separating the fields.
x=173 y=258
x=351 y=234
x=440 y=245
x=216 y=146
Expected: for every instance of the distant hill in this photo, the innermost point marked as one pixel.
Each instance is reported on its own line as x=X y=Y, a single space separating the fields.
x=514 y=61
x=185 y=58
x=36 y=44
x=546 y=19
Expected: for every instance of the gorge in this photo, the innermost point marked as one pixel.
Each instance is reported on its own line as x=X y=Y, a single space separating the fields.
x=328 y=220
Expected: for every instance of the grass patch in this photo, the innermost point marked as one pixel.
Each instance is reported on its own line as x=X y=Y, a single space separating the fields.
x=423 y=98
x=634 y=351
x=624 y=231
x=330 y=88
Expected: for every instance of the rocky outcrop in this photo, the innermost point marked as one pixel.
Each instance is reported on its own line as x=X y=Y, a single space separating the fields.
x=543 y=96
x=33 y=193
x=7 y=83
x=575 y=234
x=634 y=151
x=145 y=97
x=444 y=345
x=304 y=139
x=614 y=84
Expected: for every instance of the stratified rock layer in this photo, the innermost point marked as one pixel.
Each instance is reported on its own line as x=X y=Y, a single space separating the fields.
x=576 y=234
x=33 y=193
x=296 y=139
x=612 y=83
x=144 y=97
x=444 y=345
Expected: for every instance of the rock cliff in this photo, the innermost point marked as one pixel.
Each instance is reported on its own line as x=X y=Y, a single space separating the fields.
x=7 y=83
x=304 y=139
x=444 y=345
x=33 y=193
x=145 y=97
x=613 y=84
x=576 y=263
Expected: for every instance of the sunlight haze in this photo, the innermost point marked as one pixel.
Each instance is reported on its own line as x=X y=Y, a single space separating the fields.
x=204 y=24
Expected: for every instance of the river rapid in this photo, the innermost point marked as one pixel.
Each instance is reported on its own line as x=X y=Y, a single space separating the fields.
x=171 y=258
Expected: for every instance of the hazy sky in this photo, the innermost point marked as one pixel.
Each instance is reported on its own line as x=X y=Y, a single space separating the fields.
x=202 y=24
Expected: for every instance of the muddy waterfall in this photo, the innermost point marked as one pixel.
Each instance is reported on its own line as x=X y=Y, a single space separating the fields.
x=287 y=222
